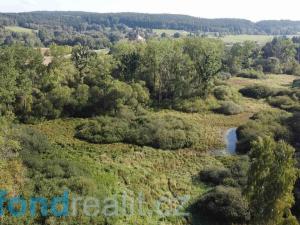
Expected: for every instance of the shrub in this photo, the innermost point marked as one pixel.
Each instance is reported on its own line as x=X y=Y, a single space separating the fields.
x=224 y=75
x=83 y=186
x=294 y=122
x=234 y=175
x=291 y=67
x=196 y=105
x=52 y=170
x=165 y=132
x=251 y=74
x=230 y=108
x=272 y=65
x=214 y=176
x=296 y=83
x=225 y=93
x=33 y=141
x=266 y=123
x=226 y=205
x=284 y=102
x=258 y=91
x=103 y=130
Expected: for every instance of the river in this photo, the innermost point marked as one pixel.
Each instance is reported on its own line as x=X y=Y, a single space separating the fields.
x=231 y=141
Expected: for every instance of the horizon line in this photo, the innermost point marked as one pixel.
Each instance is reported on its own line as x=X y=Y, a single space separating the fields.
x=132 y=12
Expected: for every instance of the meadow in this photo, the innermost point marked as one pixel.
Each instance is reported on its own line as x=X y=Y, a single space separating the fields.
x=170 y=32
x=119 y=167
x=18 y=29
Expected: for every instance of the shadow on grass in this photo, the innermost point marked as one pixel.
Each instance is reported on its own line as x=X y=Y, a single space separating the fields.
x=197 y=218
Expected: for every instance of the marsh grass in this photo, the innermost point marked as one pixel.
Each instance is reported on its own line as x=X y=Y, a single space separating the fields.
x=122 y=167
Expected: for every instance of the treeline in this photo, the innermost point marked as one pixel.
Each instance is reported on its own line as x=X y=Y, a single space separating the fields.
x=133 y=75
x=162 y=73
x=80 y=21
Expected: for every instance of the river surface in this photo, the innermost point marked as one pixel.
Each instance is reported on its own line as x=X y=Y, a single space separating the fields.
x=231 y=140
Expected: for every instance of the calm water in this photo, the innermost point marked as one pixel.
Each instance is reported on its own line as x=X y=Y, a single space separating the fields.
x=231 y=140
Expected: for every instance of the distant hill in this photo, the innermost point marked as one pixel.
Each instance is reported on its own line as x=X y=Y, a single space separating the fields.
x=79 y=21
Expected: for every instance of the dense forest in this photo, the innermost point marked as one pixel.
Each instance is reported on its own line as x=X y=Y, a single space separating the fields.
x=102 y=30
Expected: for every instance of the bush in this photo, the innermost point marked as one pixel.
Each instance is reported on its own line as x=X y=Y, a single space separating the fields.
x=234 y=175
x=296 y=83
x=294 y=122
x=230 y=108
x=165 y=132
x=226 y=205
x=258 y=91
x=225 y=93
x=33 y=141
x=251 y=74
x=224 y=75
x=196 y=105
x=52 y=168
x=291 y=68
x=83 y=186
x=266 y=123
x=272 y=65
x=214 y=176
x=104 y=130
x=168 y=132
x=284 y=102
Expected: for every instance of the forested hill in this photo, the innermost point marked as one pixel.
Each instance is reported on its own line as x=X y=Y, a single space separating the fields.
x=82 y=21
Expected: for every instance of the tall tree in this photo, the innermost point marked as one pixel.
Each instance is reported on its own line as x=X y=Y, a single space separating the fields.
x=271 y=180
x=206 y=55
x=281 y=48
x=80 y=57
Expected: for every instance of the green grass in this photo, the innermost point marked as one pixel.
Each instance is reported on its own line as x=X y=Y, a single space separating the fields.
x=18 y=29
x=133 y=169
x=260 y=39
x=121 y=167
x=170 y=32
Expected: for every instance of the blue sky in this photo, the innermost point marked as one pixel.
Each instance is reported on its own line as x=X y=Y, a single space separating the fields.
x=249 y=9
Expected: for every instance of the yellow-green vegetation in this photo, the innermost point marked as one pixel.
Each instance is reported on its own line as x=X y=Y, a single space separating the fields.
x=147 y=117
x=153 y=172
x=18 y=29
x=260 y=39
x=170 y=32
x=276 y=81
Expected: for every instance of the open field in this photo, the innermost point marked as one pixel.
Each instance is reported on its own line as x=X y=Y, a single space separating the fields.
x=280 y=81
x=260 y=39
x=19 y=29
x=170 y=32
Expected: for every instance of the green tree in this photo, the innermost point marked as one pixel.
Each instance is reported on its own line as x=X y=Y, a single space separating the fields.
x=271 y=180
x=281 y=48
x=167 y=70
x=81 y=56
x=242 y=56
x=206 y=55
x=128 y=56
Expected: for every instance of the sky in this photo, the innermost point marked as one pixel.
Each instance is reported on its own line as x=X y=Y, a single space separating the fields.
x=254 y=10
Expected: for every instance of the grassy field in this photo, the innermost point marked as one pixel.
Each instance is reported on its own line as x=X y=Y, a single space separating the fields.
x=170 y=32
x=19 y=29
x=277 y=81
x=260 y=39
x=119 y=168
